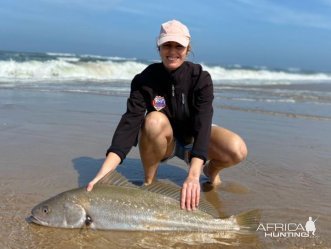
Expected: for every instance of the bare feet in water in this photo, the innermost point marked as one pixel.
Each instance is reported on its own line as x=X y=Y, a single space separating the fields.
x=212 y=174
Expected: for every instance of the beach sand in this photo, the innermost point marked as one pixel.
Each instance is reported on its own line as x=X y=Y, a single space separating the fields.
x=54 y=141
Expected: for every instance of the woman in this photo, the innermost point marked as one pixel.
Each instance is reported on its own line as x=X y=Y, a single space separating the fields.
x=177 y=96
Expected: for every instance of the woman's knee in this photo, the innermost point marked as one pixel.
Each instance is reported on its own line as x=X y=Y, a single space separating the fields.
x=238 y=150
x=227 y=147
x=234 y=153
x=155 y=123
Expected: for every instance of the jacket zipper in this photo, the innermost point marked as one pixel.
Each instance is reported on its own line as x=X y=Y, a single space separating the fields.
x=180 y=110
x=173 y=101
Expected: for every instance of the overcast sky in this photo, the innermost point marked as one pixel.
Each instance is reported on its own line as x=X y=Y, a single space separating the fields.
x=272 y=33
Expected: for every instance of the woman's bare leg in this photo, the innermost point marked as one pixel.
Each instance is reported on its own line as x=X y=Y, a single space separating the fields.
x=156 y=143
x=226 y=149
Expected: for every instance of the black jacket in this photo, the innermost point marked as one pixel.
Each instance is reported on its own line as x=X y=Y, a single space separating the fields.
x=188 y=95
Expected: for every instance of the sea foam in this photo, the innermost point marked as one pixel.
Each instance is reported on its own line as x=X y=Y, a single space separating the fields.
x=66 y=67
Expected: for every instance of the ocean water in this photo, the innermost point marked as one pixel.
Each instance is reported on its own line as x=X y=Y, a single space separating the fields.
x=57 y=118
x=260 y=89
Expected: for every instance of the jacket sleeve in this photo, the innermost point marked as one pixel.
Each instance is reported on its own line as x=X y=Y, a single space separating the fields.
x=126 y=134
x=202 y=116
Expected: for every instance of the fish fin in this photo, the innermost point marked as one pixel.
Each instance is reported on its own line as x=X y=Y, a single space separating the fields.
x=172 y=190
x=166 y=188
x=207 y=207
x=115 y=178
x=249 y=220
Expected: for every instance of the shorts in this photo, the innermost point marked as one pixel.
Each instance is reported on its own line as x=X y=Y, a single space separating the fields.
x=181 y=151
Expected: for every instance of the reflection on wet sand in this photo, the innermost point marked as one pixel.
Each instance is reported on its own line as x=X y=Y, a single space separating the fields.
x=58 y=145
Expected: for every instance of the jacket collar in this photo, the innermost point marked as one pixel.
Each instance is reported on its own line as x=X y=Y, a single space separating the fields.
x=177 y=74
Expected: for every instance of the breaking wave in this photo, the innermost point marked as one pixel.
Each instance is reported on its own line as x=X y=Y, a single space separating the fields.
x=18 y=67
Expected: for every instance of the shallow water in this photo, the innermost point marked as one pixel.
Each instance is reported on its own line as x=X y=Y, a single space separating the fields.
x=52 y=142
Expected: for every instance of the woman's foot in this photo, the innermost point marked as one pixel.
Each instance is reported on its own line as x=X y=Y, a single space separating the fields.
x=212 y=174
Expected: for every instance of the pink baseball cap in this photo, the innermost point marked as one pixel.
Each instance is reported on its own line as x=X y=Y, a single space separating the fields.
x=174 y=31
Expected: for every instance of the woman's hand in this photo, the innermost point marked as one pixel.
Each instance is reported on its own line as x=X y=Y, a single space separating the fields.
x=90 y=185
x=190 y=195
x=110 y=164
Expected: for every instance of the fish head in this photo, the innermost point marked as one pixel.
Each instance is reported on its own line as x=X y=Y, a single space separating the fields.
x=59 y=211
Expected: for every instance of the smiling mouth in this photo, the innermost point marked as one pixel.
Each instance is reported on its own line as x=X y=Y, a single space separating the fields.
x=172 y=58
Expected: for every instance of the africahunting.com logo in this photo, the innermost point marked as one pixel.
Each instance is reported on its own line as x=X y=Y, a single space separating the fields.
x=289 y=230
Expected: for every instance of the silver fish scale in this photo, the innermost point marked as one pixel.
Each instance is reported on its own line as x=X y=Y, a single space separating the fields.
x=122 y=208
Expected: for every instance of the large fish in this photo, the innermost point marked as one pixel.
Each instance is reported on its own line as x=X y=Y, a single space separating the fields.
x=117 y=204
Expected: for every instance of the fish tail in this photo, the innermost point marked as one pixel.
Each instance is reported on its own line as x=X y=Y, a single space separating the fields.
x=249 y=220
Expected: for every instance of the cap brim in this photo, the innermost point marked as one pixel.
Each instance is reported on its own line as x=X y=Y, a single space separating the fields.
x=182 y=40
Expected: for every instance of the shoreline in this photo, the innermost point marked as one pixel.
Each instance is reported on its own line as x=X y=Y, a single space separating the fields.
x=52 y=142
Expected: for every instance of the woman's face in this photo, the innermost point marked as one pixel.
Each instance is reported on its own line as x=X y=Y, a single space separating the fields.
x=172 y=55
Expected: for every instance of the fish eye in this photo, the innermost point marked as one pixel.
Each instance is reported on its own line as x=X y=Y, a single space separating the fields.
x=45 y=209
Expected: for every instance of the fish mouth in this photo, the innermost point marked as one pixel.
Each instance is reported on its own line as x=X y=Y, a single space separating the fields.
x=33 y=219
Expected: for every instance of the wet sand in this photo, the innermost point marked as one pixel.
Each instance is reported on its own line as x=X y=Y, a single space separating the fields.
x=52 y=142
